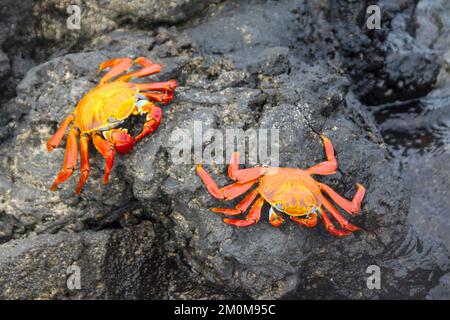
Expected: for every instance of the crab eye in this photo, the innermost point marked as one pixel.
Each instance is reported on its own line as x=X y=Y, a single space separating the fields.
x=279 y=206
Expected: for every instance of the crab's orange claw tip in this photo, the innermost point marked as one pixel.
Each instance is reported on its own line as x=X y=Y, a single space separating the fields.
x=360 y=186
x=54 y=187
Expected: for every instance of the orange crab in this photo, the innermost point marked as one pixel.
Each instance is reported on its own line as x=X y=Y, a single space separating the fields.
x=288 y=190
x=102 y=110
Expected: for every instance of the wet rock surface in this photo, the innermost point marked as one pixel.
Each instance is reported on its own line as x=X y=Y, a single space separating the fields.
x=283 y=65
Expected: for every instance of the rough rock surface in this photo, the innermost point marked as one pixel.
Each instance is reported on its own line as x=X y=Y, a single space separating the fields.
x=149 y=233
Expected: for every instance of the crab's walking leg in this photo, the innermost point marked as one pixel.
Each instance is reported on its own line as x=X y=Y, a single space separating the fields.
x=351 y=207
x=309 y=223
x=149 y=68
x=252 y=217
x=275 y=219
x=164 y=97
x=154 y=116
x=118 y=65
x=107 y=151
x=228 y=192
x=241 y=207
x=249 y=174
x=85 y=167
x=70 y=159
x=59 y=134
x=233 y=165
x=330 y=227
x=158 y=86
x=326 y=167
x=339 y=218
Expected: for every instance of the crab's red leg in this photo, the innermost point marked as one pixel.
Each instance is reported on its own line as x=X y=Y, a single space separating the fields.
x=70 y=159
x=149 y=68
x=59 y=134
x=118 y=65
x=330 y=227
x=351 y=207
x=253 y=216
x=233 y=165
x=107 y=151
x=244 y=175
x=329 y=166
x=226 y=193
x=85 y=167
x=275 y=219
x=339 y=218
x=241 y=207
x=158 y=86
x=154 y=116
x=309 y=223
x=165 y=97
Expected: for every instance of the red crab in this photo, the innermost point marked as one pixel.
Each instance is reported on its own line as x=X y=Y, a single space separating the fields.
x=288 y=190
x=103 y=109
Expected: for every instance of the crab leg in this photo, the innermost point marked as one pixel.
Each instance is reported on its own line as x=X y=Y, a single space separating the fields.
x=158 y=86
x=275 y=219
x=70 y=159
x=330 y=227
x=241 y=207
x=154 y=116
x=339 y=218
x=329 y=166
x=165 y=97
x=233 y=166
x=118 y=65
x=226 y=193
x=85 y=167
x=249 y=174
x=352 y=207
x=252 y=217
x=149 y=68
x=59 y=134
x=309 y=223
x=107 y=151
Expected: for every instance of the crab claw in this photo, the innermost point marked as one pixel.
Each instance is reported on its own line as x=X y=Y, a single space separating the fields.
x=122 y=141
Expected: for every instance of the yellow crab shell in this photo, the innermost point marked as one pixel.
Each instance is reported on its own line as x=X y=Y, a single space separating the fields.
x=105 y=106
x=290 y=190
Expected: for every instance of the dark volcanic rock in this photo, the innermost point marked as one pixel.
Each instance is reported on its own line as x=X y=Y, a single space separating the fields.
x=149 y=233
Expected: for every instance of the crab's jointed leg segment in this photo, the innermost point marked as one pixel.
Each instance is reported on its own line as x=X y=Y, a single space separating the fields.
x=55 y=140
x=107 y=151
x=118 y=65
x=228 y=192
x=241 y=207
x=154 y=116
x=275 y=219
x=158 y=86
x=309 y=223
x=338 y=217
x=352 y=207
x=233 y=165
x=164 y=97
x=244 y=175
x=70 y=159
x=148 y=68
x=253 y=216
x=85 y=167
x=330 y=227
x=329 y=166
